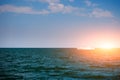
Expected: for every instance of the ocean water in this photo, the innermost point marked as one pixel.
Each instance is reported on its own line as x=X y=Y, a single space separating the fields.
x=57 y=64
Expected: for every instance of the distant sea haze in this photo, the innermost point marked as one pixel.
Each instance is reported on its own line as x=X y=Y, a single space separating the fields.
x=59 y=64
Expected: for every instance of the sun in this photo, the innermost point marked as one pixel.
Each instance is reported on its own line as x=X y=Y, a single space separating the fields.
x=107 y=46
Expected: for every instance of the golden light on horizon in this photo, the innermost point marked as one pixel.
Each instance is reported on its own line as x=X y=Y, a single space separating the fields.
x=102 y=46
x=107 y=46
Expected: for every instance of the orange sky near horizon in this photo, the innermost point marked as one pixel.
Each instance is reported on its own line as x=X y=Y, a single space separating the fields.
x=95 y=39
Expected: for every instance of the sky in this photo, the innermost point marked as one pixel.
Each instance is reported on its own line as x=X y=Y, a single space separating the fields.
x=59 y=23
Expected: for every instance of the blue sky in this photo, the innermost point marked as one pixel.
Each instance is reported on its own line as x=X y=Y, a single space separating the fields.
x=59 y=23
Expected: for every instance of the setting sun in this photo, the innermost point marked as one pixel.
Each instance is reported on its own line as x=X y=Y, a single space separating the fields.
x=107 y=46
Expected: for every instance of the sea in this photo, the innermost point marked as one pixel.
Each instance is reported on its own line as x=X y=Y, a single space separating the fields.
x=57 y=64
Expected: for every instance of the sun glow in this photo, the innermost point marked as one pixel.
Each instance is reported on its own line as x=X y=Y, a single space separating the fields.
x=107 y=46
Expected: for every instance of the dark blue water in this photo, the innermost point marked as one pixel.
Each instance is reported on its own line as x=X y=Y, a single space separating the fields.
x=56 y=64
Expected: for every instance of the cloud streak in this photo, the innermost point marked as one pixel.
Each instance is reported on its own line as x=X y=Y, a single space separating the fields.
x=55 y=6
x=50 y=1
x=61 y=8
x=21 y=9
x=71 y=0
x=89 y=3
x=97 y=12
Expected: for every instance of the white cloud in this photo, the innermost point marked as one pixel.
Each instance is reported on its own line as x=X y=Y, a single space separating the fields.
x=68 y=9
x=61 y=8
x=97 y=12
x=22 y=9
x=46 y=1
x=71 y=0
x=89 y=3
x=52 y=8
x=55 y=6
x=50 y=1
